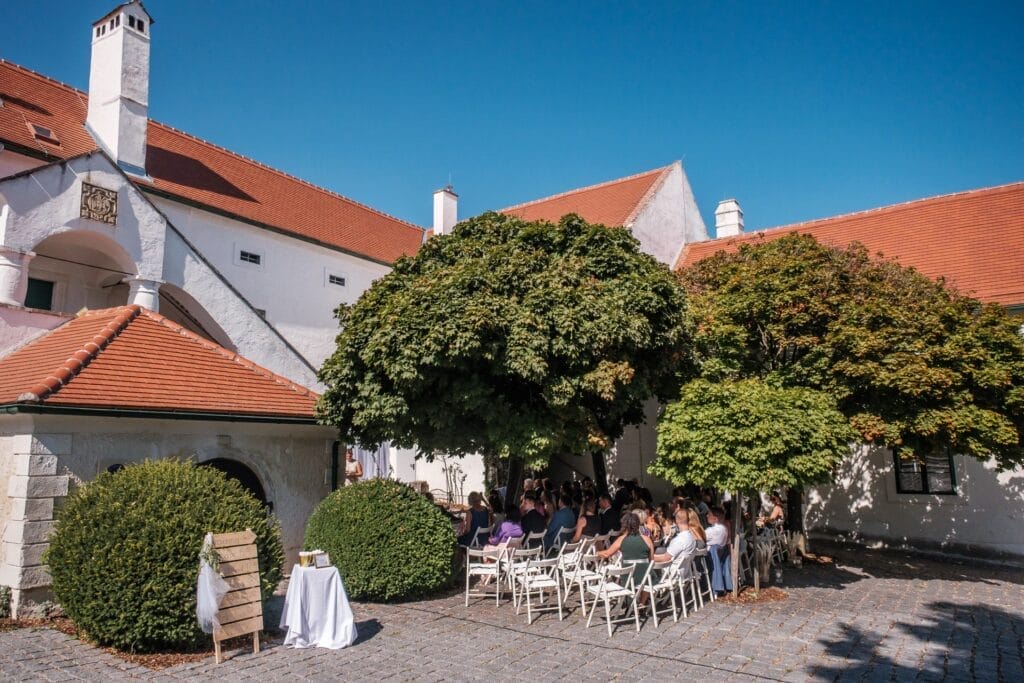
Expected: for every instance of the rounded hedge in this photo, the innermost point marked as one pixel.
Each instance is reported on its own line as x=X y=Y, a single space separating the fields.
x=124 y=555
x=388 y=542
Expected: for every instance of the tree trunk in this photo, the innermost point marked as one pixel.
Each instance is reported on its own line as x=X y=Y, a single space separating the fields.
x=515 y=480
x=600 y=472
x=737 y=530
x=753 y=503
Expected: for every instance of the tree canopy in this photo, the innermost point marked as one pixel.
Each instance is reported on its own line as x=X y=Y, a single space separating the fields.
x=909 y=362
x=509 y=338
x=746 y=435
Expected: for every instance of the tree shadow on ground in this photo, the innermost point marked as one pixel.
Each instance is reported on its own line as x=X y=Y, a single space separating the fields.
x=949 y=641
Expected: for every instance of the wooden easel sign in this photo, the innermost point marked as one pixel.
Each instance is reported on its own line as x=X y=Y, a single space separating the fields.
x=241 y=610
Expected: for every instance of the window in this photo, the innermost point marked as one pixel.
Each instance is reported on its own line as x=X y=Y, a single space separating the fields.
x=117 y=20
x=43 y=133
x=97 y=31
x=142 y=26
x=933 y=473
x=249 y=257
x=336 y=280
x=39 y=295
x=131 y=21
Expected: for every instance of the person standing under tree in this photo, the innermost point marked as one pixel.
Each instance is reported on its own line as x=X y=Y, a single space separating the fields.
x=353 y=468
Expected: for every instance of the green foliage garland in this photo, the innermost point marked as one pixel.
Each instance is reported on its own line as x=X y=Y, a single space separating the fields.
x=124 y=555
x=388 y=542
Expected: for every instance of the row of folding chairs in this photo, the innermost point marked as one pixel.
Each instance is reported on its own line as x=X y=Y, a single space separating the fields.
x=532 y=579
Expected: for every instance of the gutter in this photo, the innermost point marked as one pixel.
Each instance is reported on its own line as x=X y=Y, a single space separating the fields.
x=15 y=408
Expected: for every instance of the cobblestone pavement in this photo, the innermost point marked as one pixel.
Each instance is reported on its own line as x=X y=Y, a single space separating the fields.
x=873 y=616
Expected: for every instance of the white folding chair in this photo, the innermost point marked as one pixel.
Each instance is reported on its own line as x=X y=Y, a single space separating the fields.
x=702 y=568
x=533 y=539
x=514 y=563
x=662 y=581
x=537 y=577
x=617 y=584
x=483 y=563
x=484 y=533
x=582 y=574
x=602 y=541
x=561 y=538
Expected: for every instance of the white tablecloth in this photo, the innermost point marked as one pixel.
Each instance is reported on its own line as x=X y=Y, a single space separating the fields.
x=316 y=611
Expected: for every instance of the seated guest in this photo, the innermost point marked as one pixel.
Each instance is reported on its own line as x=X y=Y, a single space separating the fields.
x=509 y=529
x=477 y=517
x=683 y=543
x=609 y=520
x=562 y=518
x=588 y=524
x=718 y=550
x=634 y=547
x=497 y=506
x=696 y=528
x=532 y=521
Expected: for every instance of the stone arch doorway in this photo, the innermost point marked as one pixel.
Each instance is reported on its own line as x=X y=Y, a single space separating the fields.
x=249 y=480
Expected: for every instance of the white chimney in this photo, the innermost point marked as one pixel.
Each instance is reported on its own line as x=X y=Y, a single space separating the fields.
x=119 y=85
x=446 y=210
x=728 y=218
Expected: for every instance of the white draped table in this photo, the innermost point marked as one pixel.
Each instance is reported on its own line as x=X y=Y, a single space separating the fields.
x=316 y=611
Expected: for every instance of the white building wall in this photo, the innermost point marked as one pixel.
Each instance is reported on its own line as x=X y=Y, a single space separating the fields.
x=11 y=163
x=987 y=515
x=19 y=326
x=670 y=219
x=292 y=282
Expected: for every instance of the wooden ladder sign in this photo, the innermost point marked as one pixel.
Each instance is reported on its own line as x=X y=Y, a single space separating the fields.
x=241 y=610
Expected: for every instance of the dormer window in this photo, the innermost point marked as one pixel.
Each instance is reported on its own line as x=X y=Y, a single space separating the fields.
x=141 y=25
x=131 y=21
x=43 y=133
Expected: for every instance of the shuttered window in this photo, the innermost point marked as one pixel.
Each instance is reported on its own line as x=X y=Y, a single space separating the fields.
x=933 y=473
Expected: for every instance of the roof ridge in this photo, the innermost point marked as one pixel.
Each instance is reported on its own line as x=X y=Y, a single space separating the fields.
x=285 y=174
x=897 y=205
x=226 y=353
x=587 y=187
x=70 y=368
x=32 y=72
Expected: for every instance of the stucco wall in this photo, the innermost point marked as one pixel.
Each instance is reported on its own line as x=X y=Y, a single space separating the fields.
x=19 y=326
x=291 y=284
x=11 y=163
x=292 y=462
x=987 y=515
x=670 y=219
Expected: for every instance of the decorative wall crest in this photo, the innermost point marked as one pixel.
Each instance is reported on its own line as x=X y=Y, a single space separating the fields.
x=99 y=204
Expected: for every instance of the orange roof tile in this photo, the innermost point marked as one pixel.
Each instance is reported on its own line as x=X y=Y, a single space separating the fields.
x=974 y=239
x=196 y=171
x=132 y=358
x=615 y=203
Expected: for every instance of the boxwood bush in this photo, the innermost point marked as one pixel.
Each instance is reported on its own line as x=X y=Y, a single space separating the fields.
x=388 y=542
x=124 y=555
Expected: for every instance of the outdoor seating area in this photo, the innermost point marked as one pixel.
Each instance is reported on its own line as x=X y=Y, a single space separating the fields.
x=644 y=568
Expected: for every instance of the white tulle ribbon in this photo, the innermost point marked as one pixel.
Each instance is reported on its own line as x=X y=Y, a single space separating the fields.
x=210 y=588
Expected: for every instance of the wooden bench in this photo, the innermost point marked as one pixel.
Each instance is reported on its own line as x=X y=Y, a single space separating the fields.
x=241 y=610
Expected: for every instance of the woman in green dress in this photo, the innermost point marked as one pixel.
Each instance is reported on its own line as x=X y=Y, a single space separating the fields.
x=636 y=549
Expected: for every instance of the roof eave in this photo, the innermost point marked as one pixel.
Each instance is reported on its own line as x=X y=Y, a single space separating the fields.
x=154 y=414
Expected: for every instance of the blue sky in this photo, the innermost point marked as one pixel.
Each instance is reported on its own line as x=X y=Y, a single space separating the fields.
x=798 y=109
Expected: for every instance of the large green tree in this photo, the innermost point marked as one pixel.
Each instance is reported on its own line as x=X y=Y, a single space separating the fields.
x=795 y=338
x=910 y=362
x=509 y=338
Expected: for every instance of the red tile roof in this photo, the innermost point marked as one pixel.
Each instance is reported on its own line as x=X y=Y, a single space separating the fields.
x=132 y=358
x=199 y=172
x=614 y=203
x=974 y=239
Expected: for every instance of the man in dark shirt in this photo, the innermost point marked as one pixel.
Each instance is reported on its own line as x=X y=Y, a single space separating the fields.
x=532 y=521
x=606 y=513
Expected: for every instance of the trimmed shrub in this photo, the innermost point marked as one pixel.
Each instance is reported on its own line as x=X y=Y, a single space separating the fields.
x=124 y=555
x=388 y=542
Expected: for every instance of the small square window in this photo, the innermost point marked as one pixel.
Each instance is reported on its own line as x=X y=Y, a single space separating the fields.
x=142 y=26
x=336 y=280
x=131 y=21
x=934 y=473
x=39 y=294
x=249 y=257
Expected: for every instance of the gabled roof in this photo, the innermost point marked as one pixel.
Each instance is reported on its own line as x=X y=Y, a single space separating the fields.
x=197 y=172
x=130 y=358
x=614 y=203
x=974 y=239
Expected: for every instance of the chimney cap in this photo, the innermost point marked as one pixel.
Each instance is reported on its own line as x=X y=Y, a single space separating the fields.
x=121 y=7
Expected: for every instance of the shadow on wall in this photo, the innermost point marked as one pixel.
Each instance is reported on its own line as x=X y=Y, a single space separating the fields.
x=986 y=515
x=961 y=642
